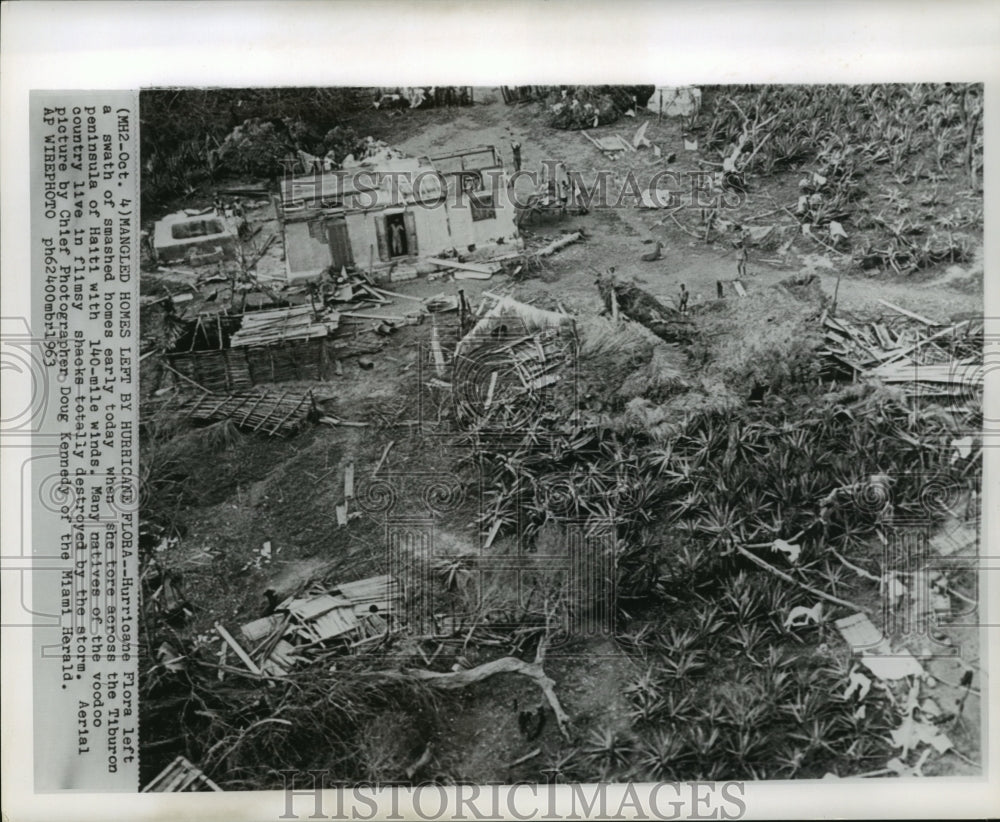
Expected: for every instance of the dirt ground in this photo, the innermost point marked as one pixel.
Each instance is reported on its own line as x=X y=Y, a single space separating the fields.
x=285 y=492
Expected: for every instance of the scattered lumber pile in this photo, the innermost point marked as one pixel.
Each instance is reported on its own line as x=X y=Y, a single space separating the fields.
x=180 y=776
x=628 y=299
x=537 y=358
x=906 y=350
x=271 y=413
x=353 y=292
x=307 y=624
x=610 y=145
x=280 y=325
x=466 y=271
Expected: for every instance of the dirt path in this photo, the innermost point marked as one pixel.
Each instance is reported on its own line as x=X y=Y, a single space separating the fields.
x=620 y=235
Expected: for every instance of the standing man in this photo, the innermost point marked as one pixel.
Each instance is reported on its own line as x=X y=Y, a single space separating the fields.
x=397 y=239
x=683 y=304
x=743 y=248
x=515 y=148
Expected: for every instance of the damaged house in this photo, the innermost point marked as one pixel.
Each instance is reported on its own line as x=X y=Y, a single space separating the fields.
x=390 y=211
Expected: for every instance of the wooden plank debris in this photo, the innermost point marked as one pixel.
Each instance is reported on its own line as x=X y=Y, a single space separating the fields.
x=381 y=460
x=303 y=623
x=279 y=325
x=475 y=268
x=910 y=314
x=349 y=481
x=237 y=648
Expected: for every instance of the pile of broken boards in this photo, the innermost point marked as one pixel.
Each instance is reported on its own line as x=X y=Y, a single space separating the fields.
x=513 y=351
x=180 y=776
x=924 y=357
x=279 y=325
x=310 y=624
x=354 y=293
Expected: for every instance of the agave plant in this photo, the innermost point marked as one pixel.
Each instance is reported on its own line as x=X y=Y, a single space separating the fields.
x=562 y=765
x=645 y=697
x=661 y=755
x=683 y=665
x=608 y=748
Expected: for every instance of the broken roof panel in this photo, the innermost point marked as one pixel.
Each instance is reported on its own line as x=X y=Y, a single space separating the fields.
x=307 y=609
x=334 y=623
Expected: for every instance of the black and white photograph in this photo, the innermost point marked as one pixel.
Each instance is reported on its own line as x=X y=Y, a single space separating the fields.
x=527 y=410
x=560 y=433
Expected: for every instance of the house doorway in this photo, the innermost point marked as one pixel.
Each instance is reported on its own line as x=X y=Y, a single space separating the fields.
x=395 y=227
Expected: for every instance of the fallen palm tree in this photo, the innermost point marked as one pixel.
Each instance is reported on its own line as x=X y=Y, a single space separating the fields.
x=627 y=299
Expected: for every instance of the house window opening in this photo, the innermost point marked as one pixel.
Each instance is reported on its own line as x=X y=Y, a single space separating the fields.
x=482 y=207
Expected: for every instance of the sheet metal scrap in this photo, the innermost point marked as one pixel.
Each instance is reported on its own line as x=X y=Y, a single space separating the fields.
x=875 y=651
x=302 y=624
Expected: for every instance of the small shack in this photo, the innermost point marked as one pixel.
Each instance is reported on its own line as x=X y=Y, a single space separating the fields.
x=390 y=211
x=232 y=352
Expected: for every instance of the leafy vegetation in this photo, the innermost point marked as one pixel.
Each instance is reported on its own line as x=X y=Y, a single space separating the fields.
x=858 y=148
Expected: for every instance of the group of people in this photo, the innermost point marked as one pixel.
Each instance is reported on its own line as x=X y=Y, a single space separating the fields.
x=233 y=208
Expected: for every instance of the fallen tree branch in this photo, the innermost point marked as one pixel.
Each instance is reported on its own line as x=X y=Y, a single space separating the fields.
x=782 y=575
x=455 y=680
x=857 y=569
x=525 y=758
x=559 y=244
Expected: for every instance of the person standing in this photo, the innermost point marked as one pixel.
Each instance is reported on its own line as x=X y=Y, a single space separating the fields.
x=683 y=304
x=515 y=148
x=743 y=249
x=397 y=239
